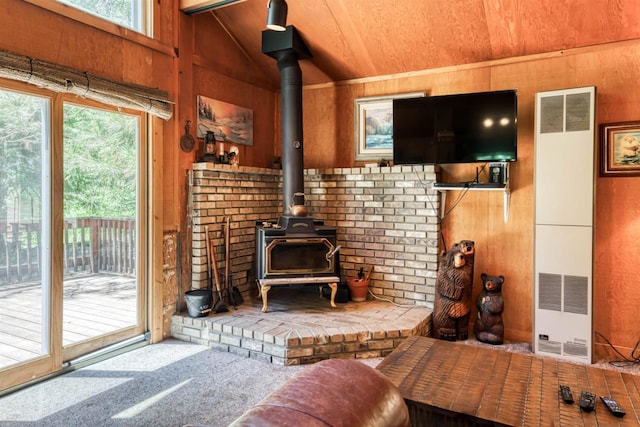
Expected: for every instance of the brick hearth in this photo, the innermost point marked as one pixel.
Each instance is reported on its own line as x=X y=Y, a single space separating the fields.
x=386 y=218
x=301 y=327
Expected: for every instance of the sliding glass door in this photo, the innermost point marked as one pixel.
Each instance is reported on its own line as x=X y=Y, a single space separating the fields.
x=72 y=203
x=102 y=298
x=24 y=227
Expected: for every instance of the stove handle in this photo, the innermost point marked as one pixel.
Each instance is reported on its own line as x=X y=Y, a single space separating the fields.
x=332 y=253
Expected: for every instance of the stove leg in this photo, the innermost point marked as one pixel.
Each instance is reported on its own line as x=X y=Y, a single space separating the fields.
x=264 y=289
x=334 y=289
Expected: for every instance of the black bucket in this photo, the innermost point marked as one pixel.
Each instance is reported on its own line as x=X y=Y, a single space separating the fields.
x=199 y=302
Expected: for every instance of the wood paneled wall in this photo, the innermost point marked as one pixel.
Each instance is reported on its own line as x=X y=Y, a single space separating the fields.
x=507 y=248
x=190 y=56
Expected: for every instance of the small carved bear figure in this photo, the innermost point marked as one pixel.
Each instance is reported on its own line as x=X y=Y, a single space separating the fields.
x=452 y=305
x=489 y=327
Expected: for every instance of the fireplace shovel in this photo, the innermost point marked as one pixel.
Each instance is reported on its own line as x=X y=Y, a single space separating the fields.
x=219 y=306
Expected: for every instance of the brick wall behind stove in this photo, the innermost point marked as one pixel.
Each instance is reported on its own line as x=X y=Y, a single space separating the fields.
x=385 y=218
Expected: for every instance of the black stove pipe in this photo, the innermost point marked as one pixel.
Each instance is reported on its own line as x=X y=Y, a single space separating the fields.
x=287 y=47
x=292 y=138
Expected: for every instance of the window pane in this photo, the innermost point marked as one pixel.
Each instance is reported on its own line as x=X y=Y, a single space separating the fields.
x=127 y=13
x=24 y=231
x=100 y=204
x=100 y=152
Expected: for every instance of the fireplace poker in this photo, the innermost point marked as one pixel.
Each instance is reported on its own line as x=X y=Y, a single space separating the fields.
x=227 y=264
x=361 y=274
x=219 y=306
x=366 y=276
x=209 y=278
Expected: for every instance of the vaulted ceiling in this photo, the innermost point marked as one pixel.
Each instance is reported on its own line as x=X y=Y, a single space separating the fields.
x=353 y=39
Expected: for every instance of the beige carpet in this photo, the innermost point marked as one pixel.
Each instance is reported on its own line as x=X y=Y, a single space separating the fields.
x=163 y=385
x=169 y=384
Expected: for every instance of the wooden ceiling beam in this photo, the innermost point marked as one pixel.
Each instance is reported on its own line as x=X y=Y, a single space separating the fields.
x=196 y=6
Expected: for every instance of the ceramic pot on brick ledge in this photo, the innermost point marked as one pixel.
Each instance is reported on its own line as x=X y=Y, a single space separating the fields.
x=358 y=288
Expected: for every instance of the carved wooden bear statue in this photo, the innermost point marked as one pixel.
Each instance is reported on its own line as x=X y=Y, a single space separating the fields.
x=452 y=305
x=489 y=327
x=468 y=248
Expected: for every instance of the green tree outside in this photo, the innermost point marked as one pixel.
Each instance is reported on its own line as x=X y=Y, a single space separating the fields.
x=100 y=159
x=100 y=163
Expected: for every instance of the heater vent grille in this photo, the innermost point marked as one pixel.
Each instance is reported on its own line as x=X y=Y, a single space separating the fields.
x=551 y=114
x=569 y=294
x=575 y=349
x=550 y=346
x=578 y=112
x=550 y=292
x=576 y=294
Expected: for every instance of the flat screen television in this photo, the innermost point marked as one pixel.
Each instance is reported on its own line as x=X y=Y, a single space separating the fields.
x=465 y=128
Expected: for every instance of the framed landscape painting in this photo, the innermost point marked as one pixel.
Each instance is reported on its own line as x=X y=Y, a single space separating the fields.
x=229 y=123
x=373 y=137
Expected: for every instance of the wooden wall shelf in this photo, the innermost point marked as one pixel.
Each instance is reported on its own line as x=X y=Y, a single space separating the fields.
x=473 y=186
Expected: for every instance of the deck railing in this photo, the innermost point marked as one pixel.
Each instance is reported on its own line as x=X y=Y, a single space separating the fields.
x=91 y=245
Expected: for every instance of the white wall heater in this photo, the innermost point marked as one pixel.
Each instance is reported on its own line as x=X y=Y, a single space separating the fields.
x=564 y=177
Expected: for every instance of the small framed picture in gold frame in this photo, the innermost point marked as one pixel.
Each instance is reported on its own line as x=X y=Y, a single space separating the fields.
x=620 y=149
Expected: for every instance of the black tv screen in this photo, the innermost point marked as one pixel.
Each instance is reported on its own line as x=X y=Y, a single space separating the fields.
x=465 y=128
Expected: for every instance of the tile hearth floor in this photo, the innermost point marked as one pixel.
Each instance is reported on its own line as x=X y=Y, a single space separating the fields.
x=301 y=327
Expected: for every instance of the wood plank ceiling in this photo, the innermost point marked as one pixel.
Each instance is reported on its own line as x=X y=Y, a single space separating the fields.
x=353 y=39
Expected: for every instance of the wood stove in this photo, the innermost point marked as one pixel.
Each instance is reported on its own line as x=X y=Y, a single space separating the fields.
x=295 y=247
x=296 y=250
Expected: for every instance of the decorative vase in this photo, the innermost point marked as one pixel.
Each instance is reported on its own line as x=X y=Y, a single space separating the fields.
x=358 y=288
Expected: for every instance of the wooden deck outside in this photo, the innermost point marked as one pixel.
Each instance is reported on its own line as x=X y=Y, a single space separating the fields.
x=93 y=305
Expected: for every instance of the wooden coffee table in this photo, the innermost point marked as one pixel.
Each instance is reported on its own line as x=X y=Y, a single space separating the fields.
x=455 y=384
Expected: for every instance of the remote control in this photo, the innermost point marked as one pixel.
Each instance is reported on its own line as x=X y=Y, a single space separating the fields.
x=587 y=401
x=565 y=394
x=613 y=406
